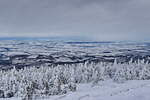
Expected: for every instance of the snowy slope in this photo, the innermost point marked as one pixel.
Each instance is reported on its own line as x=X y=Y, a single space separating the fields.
x=107 y=90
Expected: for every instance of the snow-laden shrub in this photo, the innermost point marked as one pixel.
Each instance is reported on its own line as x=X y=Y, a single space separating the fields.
x=33 y=82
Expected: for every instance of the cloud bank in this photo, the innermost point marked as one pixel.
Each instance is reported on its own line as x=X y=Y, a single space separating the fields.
x=97 y=19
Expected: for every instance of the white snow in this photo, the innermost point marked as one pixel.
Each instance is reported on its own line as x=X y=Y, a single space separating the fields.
x=106 y=90
x=109 y=90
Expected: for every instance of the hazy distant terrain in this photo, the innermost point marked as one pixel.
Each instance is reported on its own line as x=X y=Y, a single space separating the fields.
x=35 y=52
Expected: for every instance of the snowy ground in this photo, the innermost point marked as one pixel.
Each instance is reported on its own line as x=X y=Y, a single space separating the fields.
x=107 y=90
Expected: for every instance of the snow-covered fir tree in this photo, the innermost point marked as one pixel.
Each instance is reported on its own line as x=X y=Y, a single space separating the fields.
x=30 y=83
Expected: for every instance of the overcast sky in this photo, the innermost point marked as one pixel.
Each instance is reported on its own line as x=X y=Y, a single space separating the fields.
x=97 y=19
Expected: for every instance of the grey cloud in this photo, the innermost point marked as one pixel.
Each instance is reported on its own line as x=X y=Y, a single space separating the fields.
x=97 y=19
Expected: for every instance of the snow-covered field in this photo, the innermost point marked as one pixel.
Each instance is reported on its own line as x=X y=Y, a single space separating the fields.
x=106 y=90
x=22 y=53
